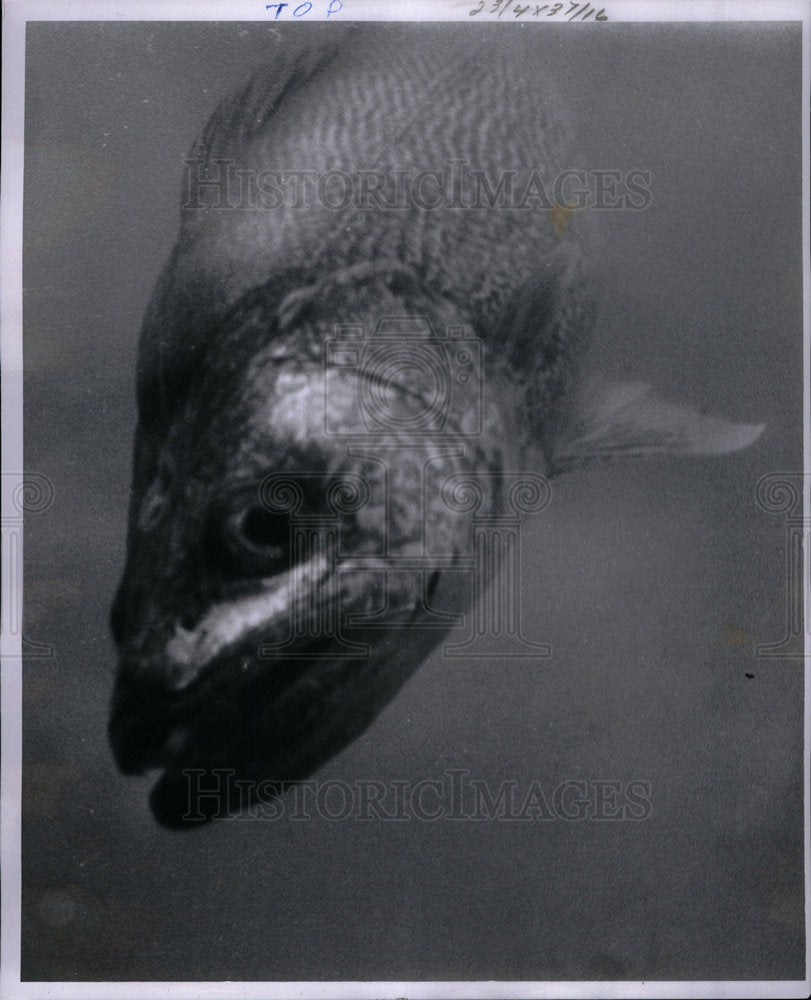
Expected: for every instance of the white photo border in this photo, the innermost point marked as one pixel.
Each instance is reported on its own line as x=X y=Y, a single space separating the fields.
x=17 y=14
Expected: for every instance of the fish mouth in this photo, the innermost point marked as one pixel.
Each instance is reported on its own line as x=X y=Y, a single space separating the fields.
x=242 y=722
x=267 y=689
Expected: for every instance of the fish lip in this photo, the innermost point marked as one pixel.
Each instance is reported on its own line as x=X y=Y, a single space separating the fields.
x=155 y=702
x=149 y=717
x=142 y=715
x=189 y=655
x=246 y=717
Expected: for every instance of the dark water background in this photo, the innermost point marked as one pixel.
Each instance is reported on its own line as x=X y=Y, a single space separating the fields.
x=637 y=574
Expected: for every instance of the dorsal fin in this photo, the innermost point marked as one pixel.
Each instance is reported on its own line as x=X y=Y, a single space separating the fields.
x=242 y=116
x=625 y=419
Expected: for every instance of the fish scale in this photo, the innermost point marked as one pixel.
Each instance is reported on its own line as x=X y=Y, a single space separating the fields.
x=479 y=118
x=373 y=116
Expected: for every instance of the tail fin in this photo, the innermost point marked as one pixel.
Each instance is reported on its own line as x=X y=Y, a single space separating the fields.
x=618 y=419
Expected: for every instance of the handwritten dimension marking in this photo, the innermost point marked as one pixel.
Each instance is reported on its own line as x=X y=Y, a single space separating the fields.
x=575 y=10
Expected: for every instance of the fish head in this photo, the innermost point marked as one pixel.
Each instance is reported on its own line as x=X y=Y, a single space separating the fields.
x=291 y=547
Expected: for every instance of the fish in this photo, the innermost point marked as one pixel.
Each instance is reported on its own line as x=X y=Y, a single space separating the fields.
x=368 y=341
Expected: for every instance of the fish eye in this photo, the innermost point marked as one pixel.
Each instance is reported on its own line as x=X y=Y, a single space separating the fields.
x=263 y=529
x=245 y=537
x=249 y=541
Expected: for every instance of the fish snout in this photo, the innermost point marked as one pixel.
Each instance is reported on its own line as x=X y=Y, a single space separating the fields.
x=142 y=716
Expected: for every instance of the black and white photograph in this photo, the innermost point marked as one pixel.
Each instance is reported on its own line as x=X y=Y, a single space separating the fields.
x=405 y=484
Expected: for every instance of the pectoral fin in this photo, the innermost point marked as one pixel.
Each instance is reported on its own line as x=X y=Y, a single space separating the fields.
x=629 y=418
